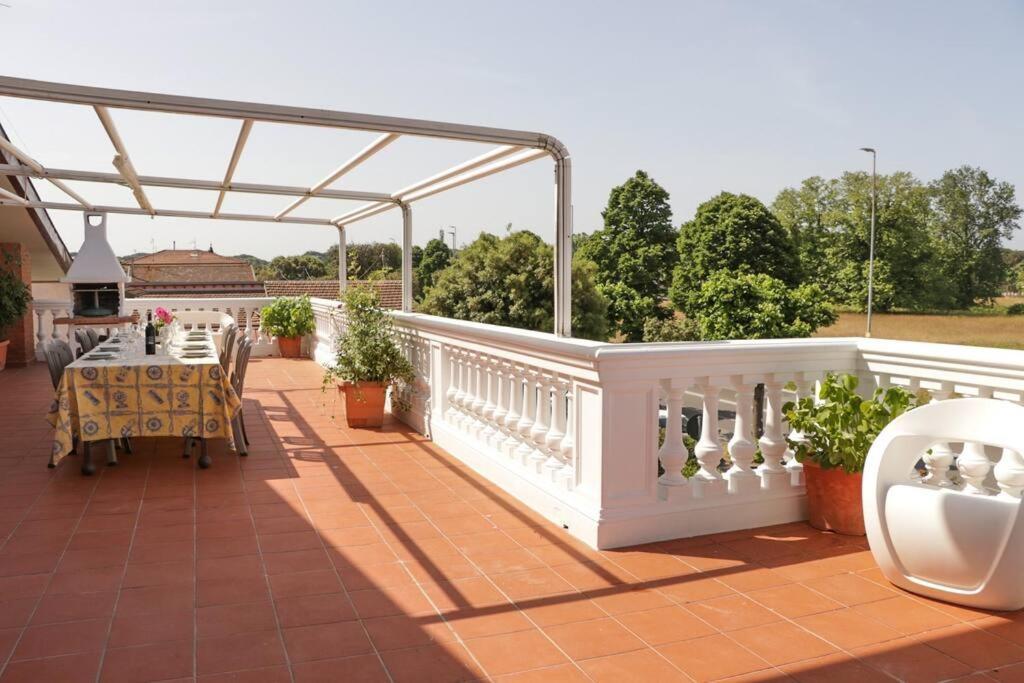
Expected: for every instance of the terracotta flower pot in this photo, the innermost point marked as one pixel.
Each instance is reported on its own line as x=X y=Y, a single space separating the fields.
x=834 y=499
x=364 y=403
x=290 y=347
x=3 y=353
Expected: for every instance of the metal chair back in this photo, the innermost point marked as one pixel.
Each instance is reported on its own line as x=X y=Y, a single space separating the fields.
x=84 y=341
x=227 y=344
x=241 y=365
x=53 y=363
x=94 y=336
x=64 y=352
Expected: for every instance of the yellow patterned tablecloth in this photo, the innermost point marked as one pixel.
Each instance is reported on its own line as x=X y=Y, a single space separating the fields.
x=144 y=396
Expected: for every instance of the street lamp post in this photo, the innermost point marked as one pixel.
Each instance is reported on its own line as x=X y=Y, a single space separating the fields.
x=871 y=246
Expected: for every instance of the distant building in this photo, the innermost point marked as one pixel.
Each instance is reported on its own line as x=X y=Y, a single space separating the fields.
x=190 y=273
x=388 y=291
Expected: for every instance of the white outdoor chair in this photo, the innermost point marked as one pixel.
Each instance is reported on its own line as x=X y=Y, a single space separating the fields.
x=962 y=543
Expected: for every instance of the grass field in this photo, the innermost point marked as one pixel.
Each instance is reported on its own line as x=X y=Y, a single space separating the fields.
x=973 y=329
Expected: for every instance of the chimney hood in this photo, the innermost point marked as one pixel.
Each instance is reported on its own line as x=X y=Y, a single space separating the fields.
x=95 y=261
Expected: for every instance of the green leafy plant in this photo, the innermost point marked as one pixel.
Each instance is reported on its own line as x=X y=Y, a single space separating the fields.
x=839 y=427
x=14 y=298
x=1015 y=309
x=288 y=317
x=366 y=350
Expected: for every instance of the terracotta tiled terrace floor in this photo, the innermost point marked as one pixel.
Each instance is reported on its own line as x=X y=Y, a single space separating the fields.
x=332 y=554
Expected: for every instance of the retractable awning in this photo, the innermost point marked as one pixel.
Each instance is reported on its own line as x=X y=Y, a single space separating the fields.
x=513 y=148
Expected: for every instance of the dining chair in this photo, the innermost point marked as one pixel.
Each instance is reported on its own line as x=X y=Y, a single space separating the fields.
x=238 y=384
x=94 y=336
x=54 y=363
x=82 y=337
x=67 y=356
x=227 y=343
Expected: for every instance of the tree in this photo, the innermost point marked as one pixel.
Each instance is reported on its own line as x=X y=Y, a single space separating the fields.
x=972 y=213
x=303 y=267
x=829 y=222
x=510 y=281
x=743 y=305
x=634 y=254
x=435 y=258
x=731 y=232
x=671 y=330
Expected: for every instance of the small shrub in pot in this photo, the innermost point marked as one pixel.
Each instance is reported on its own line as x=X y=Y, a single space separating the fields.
x=289 y=319
x=14 y=300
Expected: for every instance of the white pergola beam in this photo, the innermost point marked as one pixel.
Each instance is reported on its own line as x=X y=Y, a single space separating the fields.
x=364 y=211
x=185 y=183
x=122 y=162
x=519 y=159
x=7 y=194
x=170 y=213
x=479 y=161
x=24 y=158
x=361 y=156
x=243 y=136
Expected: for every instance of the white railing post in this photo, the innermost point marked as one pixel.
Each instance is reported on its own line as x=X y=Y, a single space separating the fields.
x=673 y=451
x=1009 y=473
x=525 y=449
x=709 y=448
x=515 y=411
x=540 y=420
x=772 y=442
x=567 y=475
x=974 y=467
x=556 y=432
x=941 y=457
x=741 y=476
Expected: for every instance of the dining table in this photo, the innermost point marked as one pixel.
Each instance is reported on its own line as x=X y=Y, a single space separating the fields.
x=117 y=392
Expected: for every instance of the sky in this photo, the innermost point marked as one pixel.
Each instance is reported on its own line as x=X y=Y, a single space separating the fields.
x=705 y=96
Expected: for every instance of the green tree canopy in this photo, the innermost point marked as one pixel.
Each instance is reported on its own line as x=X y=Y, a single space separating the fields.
x=733 y=232
x=634 y=253
x=742 y=305
x=830 y=224
x=972 y=213
x=510 y=281
x=435 y=257
x=305 y=267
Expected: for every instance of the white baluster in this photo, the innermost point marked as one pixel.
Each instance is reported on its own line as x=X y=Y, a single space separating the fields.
x=540 y=420
x=974 y=467
x=708 y=450
x=556 y=431
x=500 y=406
x=468 y=377
x=567 y=475
x=941 y=457
x=741 y=447
x=476 y=408
x=515 y=411
x=454 y=392
x=525 y=449
x=37 y=314
x=772 y=442
x=490 y=393
x=804 y=387
x=1009 y=472
x=673 y=451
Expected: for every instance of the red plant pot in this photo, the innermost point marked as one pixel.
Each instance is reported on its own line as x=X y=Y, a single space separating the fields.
x=290 y=347
x=3 y=353
x=834 y=499
x=364 y=403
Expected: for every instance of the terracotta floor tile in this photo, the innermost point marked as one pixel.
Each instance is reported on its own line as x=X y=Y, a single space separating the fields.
x=732 y=612
x=359 y=669
x=326 y=641
x=793 y=600
x=304 y=583
x=561 y=609
x=401 y=632
x=225 y=620
x=533 y=583
x=782 y=643
x=143 y=629
x=847 y=628
x=230 y=591
x=850 y=589
x=511 y=559
x=665 y=625
x=239 y=652
x=562 y=673
x=474 y=623
x=293 y=561
x=307 y=610
x=80 y=668
x=974 y=647
x=431 y=664
x=839 y=668
x=712 y=657
x=156 y=599
x=909 y=660
x=390 y=601
x=73 y=607
x=640 y=666
x=906 y=616
x=159 y=573
x=504 y=654
x=153 y=662
x=693 y=588
x=598 y=638
x=62 y=639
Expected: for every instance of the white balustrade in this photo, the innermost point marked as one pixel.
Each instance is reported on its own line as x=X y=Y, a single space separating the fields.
x=44 y=312
x=773 y=442
x=556 y=430
x=244 y=310
x=540 y=419
x=1009 y=474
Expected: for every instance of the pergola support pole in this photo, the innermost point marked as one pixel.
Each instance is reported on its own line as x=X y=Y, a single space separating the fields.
x=342 y=261
x=406 y=258
x=563 y=246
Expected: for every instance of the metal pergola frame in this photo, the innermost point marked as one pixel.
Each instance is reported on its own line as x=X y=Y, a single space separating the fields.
x=514 y=149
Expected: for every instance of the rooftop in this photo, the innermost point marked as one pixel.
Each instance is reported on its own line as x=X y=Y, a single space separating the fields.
x=388 y=291
x=337 y=554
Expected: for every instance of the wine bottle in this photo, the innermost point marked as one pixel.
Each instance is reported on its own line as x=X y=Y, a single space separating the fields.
x=150 y=336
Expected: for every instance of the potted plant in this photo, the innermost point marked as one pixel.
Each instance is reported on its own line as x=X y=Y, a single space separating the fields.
x=289 y=319
x=14 y=299
x=831 y=436
x=368 y=361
